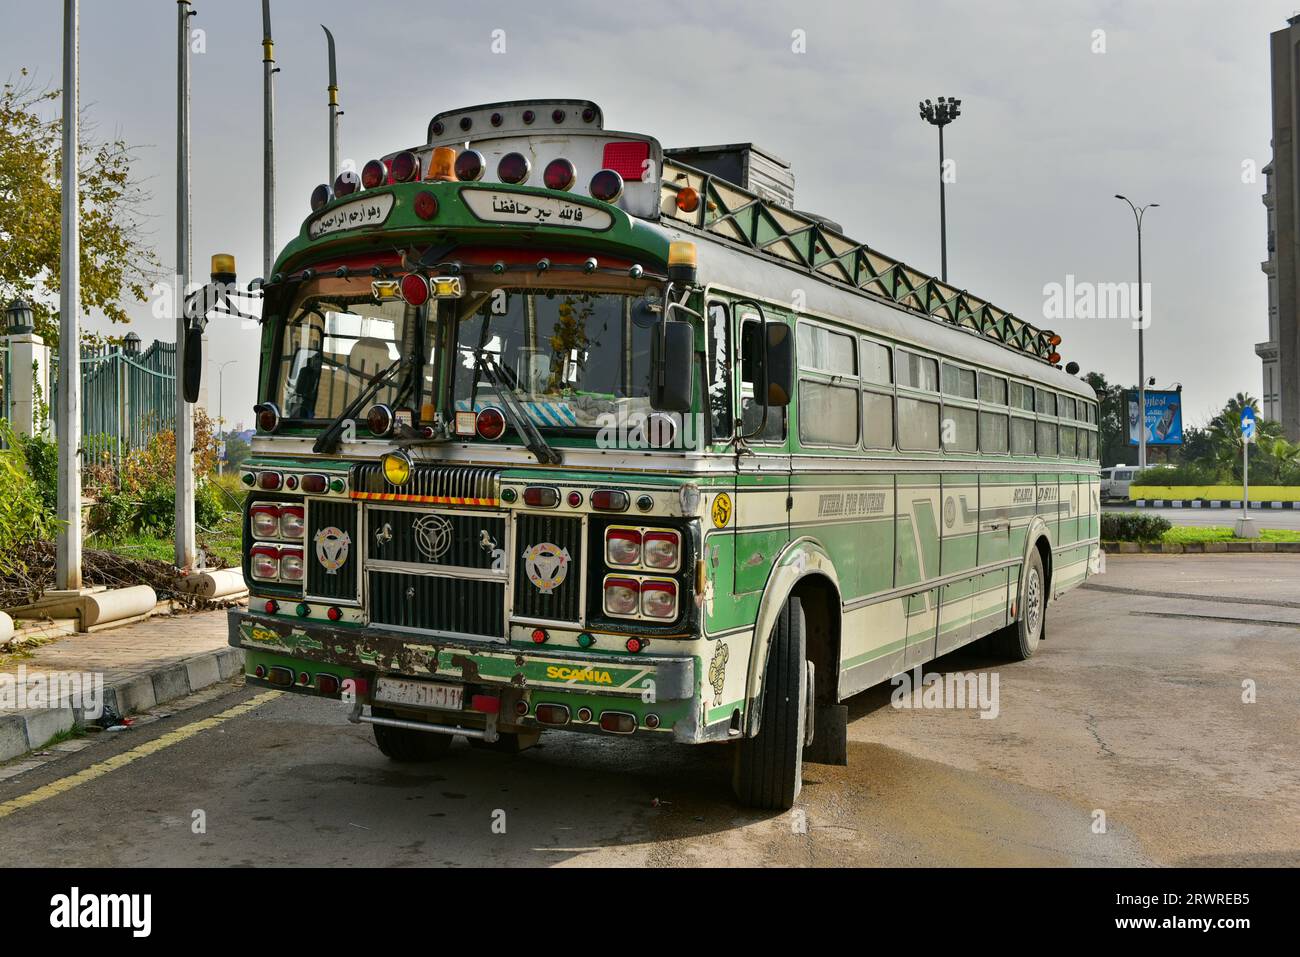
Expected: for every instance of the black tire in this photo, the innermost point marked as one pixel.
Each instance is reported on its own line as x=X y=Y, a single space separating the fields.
x=769 y=767
x=408 y=746
x=1019 y=641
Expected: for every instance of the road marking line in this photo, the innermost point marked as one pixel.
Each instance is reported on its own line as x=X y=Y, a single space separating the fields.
x=85 y=775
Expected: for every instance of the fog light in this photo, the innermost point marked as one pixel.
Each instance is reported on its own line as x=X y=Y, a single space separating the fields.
x=552 y=714
x=584 y=714
x=617 y=722
x=327 y=684
x=521 y=707
x=396 y=467
x=652 y=721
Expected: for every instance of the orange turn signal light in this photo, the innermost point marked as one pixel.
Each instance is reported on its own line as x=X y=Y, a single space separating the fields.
x=688 y=199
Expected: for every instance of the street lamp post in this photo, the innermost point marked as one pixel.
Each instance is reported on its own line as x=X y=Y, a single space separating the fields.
x=941 y=114
x=1138 y=212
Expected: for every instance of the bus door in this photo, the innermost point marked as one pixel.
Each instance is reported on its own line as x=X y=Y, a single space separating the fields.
x=763 y=471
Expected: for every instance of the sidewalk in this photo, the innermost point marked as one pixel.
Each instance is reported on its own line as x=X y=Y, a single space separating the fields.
x=143 y=665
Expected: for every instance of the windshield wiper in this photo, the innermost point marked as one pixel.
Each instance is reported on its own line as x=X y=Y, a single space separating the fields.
x=328 y=440
x=487 y=366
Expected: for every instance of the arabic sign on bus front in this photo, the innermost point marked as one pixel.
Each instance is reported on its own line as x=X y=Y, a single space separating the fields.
x=366 y=211
x=529 y=210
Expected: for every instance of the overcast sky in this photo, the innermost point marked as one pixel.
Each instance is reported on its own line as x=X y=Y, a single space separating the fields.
x=1050 y=131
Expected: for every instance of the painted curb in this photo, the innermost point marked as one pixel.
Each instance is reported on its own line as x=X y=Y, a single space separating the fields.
x=1207 y=503
x=25 y=730
x=1201 y=548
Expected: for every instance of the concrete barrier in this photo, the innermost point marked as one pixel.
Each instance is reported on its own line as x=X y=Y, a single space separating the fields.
x=216 y=584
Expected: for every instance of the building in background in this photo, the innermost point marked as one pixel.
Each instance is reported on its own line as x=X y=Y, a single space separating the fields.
x=1280 y=355
x=1267 y=351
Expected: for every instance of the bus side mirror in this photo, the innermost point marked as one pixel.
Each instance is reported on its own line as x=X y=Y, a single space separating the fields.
x=780 y=364
x=674 y=358
x=192 y=368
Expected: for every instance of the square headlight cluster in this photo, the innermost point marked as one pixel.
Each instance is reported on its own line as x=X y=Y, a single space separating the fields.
x=271 y=561
x=641 y=550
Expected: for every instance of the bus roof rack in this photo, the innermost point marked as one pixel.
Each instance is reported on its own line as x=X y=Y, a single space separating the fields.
x=723 y=209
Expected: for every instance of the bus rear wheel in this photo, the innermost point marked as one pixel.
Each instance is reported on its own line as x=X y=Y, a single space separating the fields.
x=408 y=746
x=769 y=767
x=1019 y=641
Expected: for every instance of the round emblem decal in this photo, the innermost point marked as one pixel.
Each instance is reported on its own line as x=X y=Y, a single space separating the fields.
x=950 y=511
x=432 y=536
x=721 y=511
x=332 y=548
x=547 y=566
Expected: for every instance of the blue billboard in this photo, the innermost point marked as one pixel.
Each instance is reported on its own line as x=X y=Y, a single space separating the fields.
x=1163 y=420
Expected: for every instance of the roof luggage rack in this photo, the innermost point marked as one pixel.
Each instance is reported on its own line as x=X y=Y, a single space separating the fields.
x=714 y=205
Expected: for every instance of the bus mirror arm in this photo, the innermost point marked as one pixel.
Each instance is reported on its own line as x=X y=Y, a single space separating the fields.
x=214 y=298
x=673 y=357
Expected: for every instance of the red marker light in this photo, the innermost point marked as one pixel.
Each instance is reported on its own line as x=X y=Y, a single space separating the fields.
x=490 y=424
x=541 y=496
x=575 y=499
x=334 y=614
x=539 y=636
x=635 y=644
x=272 y=606
x=426 y=204
x=415 y=289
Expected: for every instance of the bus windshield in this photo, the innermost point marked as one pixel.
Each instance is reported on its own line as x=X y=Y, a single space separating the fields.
x=337 y=339
x=574 y=359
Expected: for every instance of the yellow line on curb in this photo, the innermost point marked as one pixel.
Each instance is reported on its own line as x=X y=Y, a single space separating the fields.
x=55 y=788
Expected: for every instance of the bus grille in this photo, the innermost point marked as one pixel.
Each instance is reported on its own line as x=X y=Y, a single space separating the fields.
x=340 y=518
x=434 y=485
x=533 y=599
x=466 y=606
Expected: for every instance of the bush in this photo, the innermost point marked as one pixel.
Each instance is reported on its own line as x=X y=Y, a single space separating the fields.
x=1189 y=473
x=1127 y=527
x=24 y=519
x=42 y=458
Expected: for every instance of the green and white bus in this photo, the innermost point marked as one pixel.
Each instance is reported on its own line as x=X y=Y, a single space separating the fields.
x=560 y=430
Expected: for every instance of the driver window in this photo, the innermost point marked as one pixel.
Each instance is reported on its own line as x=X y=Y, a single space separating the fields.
x=751 y=371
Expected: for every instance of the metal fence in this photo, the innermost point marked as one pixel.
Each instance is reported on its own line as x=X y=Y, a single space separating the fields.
x=127 y=397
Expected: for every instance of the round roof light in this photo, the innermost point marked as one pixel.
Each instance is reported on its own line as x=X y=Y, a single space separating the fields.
x=490 y=423
x=559 y=174
x=470 y=165
x=606 y=186
x=406 y=167
x=347 y=183
x=529 y=116
x=514 y=168
x=426 y=204
x=436 y=128
x=320 y=196
x=373 y=174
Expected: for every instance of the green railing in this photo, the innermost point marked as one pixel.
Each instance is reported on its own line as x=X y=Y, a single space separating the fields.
x=127 y=397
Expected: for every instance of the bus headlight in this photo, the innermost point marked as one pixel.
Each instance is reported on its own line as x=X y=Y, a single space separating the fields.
x=662 y=550
x=292 y=522
x=291 y=564
x=622 y=597
x=265 y=521
x=265 y=562
x=659 y=600
x=623 y=546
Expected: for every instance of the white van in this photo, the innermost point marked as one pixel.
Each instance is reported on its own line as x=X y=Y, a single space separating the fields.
x=1115 y=481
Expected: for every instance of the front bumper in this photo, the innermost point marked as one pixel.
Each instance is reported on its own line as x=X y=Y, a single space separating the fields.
x=635 y=683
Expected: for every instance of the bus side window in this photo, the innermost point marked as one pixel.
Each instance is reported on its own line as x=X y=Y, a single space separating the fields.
x=751 y=365
x=720 y=416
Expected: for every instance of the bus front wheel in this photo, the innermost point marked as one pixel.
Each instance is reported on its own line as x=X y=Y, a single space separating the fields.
x=769 y=767
x=1019 y=641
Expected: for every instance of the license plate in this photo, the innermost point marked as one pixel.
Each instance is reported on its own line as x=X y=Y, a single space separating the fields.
x=420 y=694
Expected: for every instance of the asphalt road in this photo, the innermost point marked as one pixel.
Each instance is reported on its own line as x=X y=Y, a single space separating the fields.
x=1131 y=710
x=1266 y=517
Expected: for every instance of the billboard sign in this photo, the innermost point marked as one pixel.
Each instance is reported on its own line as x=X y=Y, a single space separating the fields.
x=1163 y=420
